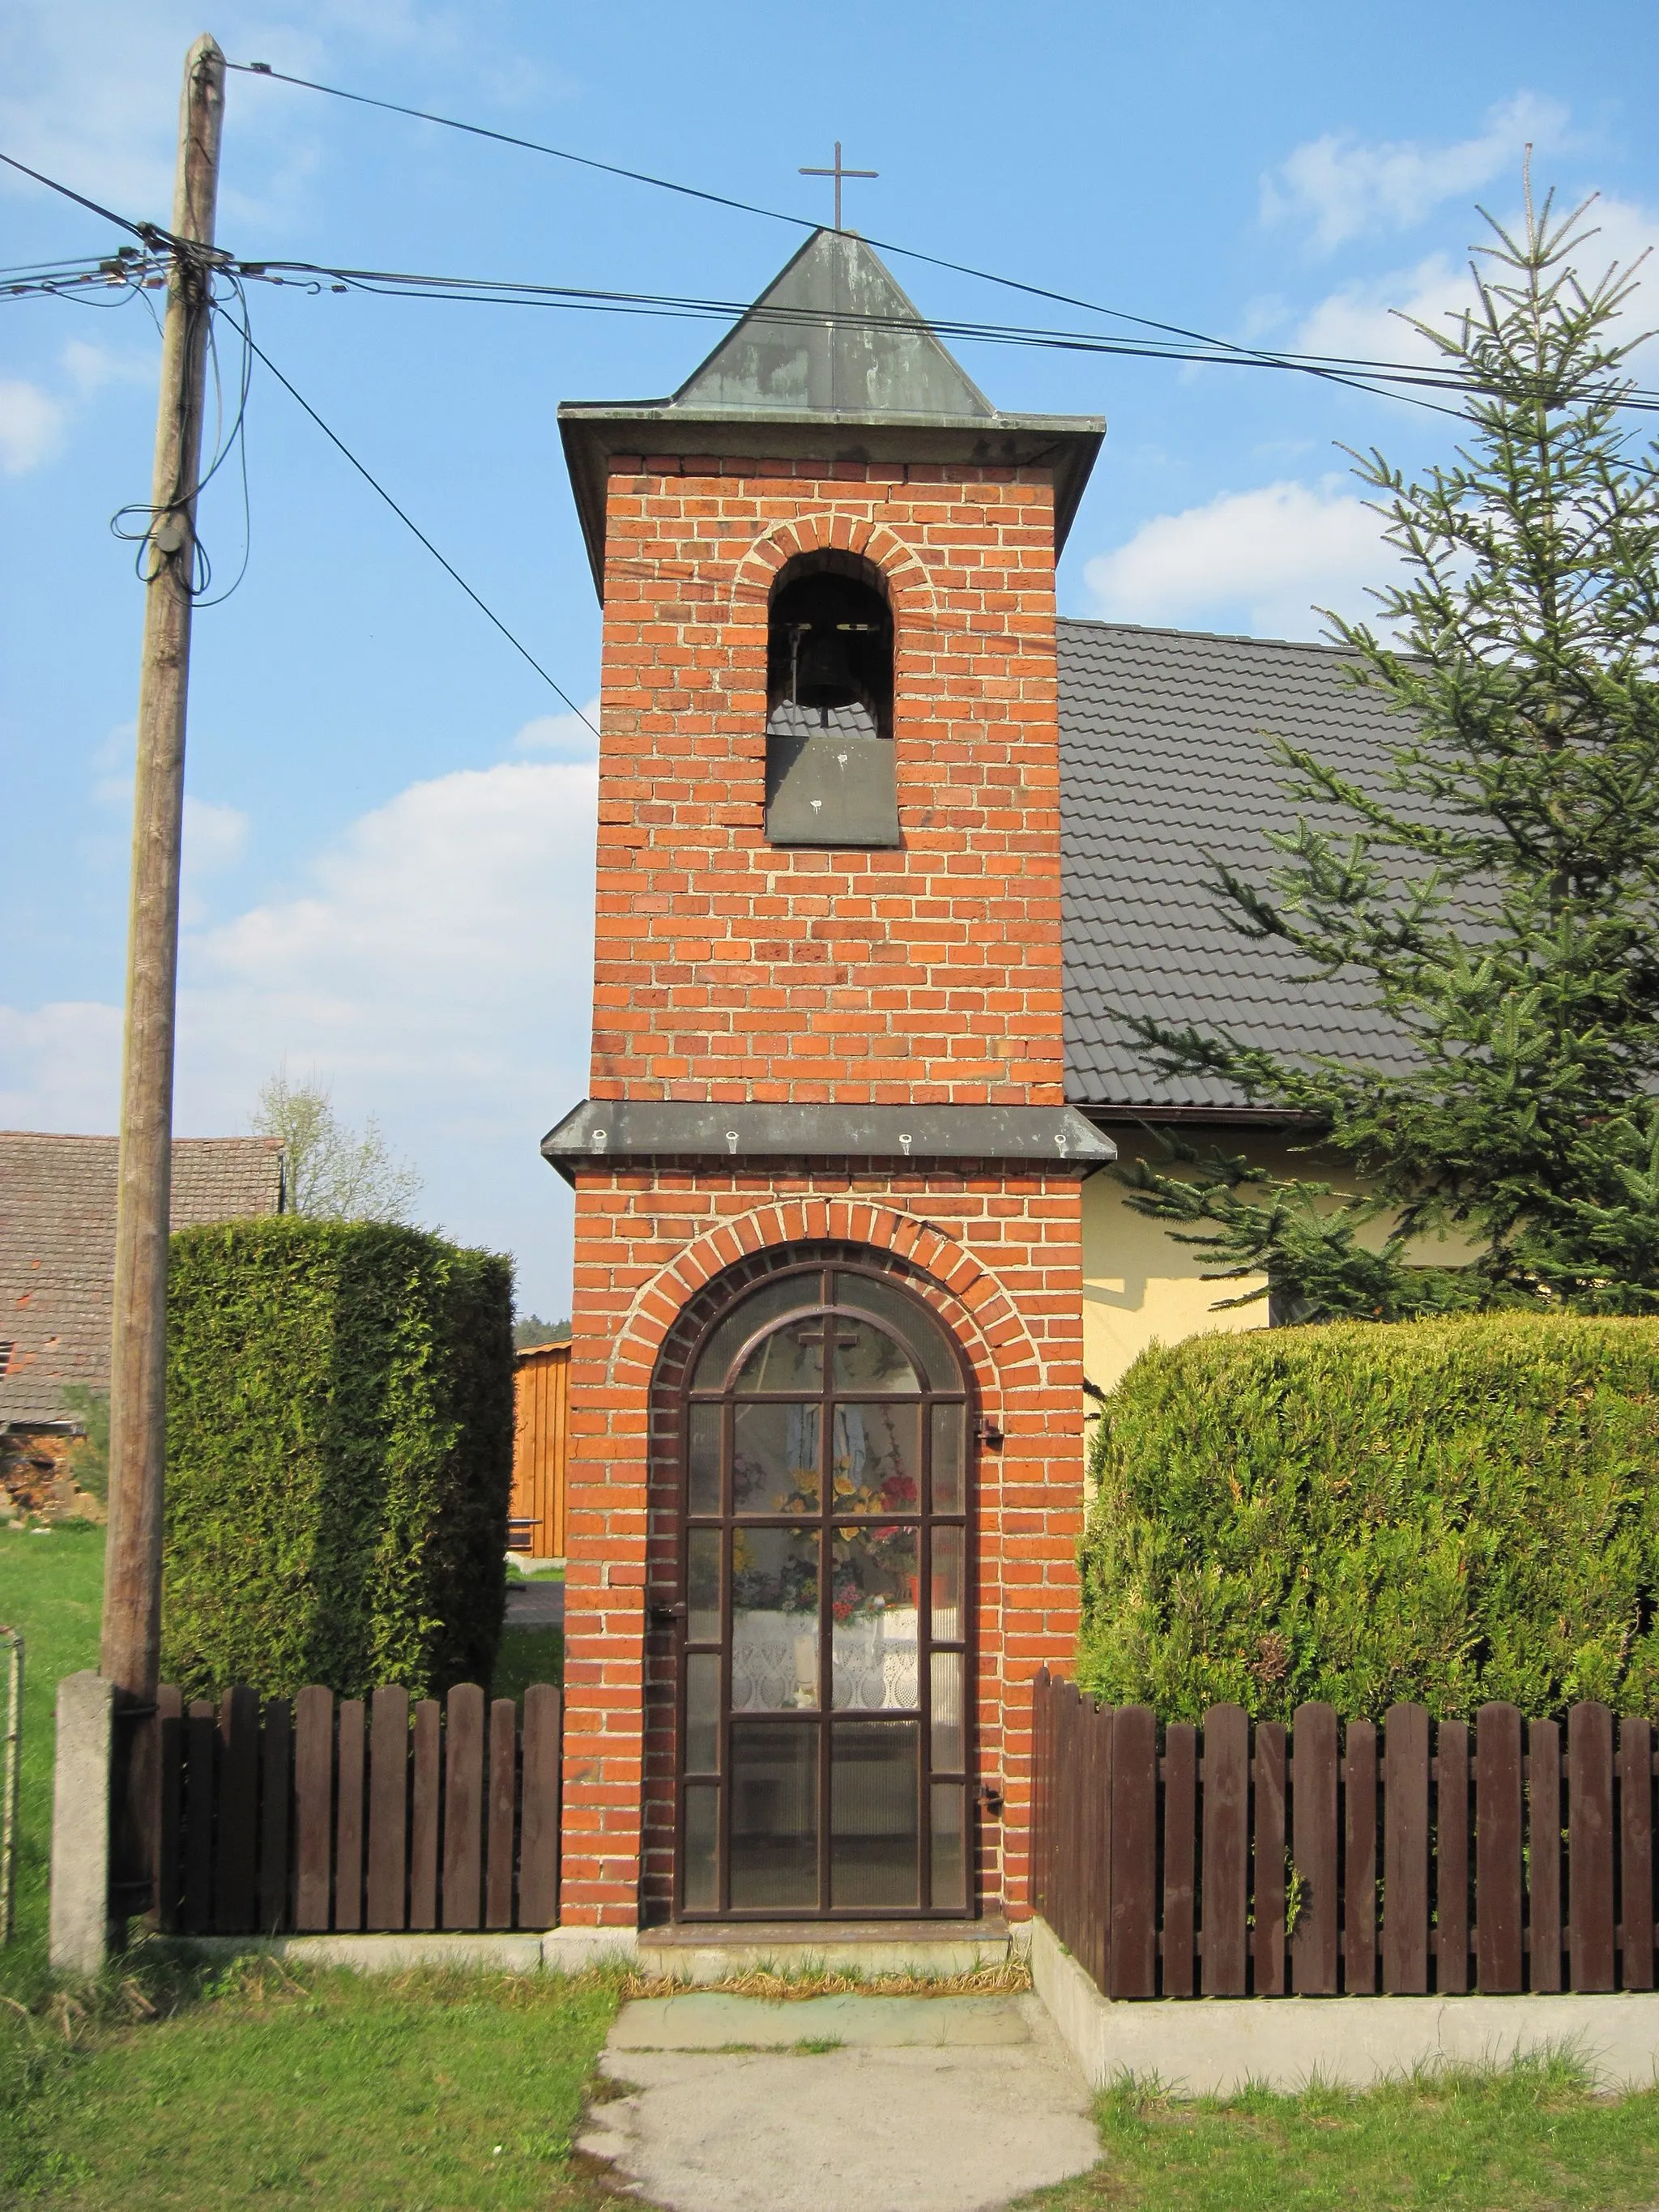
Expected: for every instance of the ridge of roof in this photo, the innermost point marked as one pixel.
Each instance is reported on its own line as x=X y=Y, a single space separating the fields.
x=1206 y=636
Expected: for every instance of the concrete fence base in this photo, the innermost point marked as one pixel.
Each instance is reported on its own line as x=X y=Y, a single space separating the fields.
x=556 y=1951
x=79 y=1931
x=1216 y=2046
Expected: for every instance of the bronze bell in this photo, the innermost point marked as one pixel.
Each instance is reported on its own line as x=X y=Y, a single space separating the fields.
x=823 y=676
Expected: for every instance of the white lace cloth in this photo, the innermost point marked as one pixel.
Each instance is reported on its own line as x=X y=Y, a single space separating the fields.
x=775 y=1662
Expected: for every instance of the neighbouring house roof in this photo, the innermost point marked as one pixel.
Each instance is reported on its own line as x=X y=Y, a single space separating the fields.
x=1165 y=760
x=57 y=1248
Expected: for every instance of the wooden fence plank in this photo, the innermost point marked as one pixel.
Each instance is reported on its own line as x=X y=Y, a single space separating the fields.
x=463 y=1807
x=169 y=1806
x=1544 y=1854
x=314 y=1806
x=1041 y=1789
x=1131 y=1951
x=349 y=1770
x=236 y=1838
x=388 y=1806
x=1451 y=1859
x=1179 y=1857
x=1072 y=1839
x=1589 y=1847
x=201 y=1746
x=1636 y=1852
x=503 y=1808
x=1359 y=1860
x=1498 y=1866
x=1315 y=1834
x=426 y=1799
x=1068 y=1816
x=538 y=1818
x=1405 y=1851
x=1268 y=1934
x=276 y=1800
x=1095 y=1868
x=1224 y=1901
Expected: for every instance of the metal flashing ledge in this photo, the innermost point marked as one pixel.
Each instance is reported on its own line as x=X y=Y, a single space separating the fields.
x=636 y=1130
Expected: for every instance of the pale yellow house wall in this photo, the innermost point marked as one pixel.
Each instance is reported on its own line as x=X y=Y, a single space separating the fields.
x=1141 y=1285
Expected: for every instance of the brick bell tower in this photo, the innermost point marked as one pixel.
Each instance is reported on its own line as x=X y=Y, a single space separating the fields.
x=826 y=1385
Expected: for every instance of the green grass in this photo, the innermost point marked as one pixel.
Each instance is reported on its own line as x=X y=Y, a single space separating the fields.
x=265 y=2087
x=1519 y=2139
x=51 y=1587
x=527 y=1655
x=167 y=2086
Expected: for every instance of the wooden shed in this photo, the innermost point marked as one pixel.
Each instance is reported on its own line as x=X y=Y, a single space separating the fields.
x=541 y=1384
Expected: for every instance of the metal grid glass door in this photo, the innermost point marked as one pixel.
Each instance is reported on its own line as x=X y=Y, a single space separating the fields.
x=826 y=1683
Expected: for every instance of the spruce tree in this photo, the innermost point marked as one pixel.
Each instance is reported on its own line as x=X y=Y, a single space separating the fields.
x=1496 y=889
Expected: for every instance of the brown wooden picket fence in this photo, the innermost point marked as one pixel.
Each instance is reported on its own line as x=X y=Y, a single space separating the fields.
x=355 y=1814
x=1331 y=1858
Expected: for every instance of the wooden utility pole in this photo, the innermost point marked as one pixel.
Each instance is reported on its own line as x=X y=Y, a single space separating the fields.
x=131 y=1653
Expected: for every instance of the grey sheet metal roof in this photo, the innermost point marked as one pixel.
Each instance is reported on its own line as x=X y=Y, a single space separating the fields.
x=57 y=1248
x=832 y=363
x=1165 y=759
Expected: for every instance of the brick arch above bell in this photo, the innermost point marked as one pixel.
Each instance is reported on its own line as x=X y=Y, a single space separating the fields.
x=986 y=1321
x=823 y=529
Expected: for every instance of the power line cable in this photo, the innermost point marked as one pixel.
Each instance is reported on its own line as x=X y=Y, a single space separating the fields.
x=1359 y=372
x=1265 y=354
x=527 y=145
x=410 y=524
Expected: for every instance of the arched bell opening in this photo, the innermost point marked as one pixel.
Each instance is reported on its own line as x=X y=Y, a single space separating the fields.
x=825 y=1687
x=831 y=775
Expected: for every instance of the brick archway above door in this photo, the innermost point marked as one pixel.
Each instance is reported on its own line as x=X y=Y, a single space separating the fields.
x=995 y=1338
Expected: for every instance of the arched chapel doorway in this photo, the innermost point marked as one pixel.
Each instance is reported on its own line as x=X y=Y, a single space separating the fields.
x=825 y=1675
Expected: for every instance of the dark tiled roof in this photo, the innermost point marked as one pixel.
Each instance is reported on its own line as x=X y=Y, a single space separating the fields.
x=57 y=1247
x=1165 y=759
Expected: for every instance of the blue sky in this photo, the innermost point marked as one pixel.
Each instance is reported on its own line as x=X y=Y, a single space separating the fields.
x=388 y=845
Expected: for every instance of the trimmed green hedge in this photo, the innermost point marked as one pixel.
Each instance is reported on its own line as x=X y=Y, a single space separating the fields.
x=339 y=1457
x=1448 y=1510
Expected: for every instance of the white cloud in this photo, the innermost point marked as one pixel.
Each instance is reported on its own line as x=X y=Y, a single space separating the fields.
x=567 y=736
x=1364 y=320
x=215 y=835
x=1371 y=319
x=1258 y=560
x=92 y=368
x=31 y=426
x=60 y=1067
x=34 y=422
x=91 y=92
x=1341 y=187
x=435 y=965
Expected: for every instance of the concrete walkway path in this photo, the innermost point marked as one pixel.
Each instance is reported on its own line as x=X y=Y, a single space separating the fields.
x=918 y=2104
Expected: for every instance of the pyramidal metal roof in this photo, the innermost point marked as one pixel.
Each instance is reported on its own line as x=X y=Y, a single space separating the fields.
x=833 y=361
x=834 y=332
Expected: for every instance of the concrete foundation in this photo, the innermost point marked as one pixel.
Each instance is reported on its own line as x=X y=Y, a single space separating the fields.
x=1215 y=2046
x=79 y=1934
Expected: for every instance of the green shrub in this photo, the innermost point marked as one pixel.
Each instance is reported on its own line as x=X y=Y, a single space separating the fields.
x=1448 y=1510
x=339 y=1456
x=89 y=1455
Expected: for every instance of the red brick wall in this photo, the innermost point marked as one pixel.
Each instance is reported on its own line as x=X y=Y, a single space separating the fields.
x=728 y=971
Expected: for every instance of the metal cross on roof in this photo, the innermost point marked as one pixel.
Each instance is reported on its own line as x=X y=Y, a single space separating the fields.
x=838 y=172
